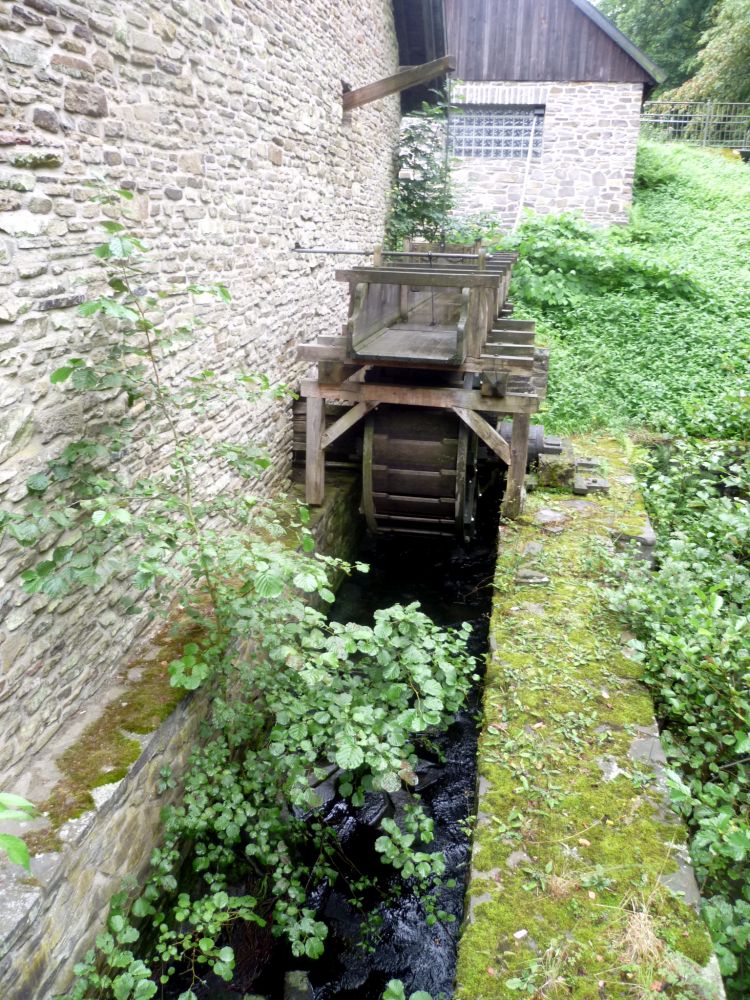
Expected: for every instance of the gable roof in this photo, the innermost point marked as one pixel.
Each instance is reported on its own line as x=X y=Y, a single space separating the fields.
x=542 y=40
x=601 y=21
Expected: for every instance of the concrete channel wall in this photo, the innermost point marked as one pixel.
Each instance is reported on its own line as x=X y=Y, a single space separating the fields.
x=47 y=921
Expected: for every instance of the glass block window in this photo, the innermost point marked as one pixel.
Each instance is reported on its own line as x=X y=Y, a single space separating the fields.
x=496 y=132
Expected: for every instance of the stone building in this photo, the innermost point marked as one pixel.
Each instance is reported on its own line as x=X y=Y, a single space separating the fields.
x=550 y=99
x=226 y=121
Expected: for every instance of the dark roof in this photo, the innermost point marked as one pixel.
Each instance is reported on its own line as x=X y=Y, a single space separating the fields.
x=420 y=29
x=656 y=73
x=542 y=40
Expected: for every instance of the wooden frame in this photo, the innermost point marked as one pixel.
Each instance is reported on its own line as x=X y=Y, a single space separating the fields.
x=385 y=304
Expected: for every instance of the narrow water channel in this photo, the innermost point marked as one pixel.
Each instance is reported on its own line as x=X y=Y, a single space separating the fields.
x=453 y=584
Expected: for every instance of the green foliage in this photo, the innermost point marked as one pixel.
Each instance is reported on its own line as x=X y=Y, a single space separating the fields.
x=294 y=697
x=649 y=329
x=723 y=71
x=693 y=628
x=13 y=807
x=669 y=32
x=648 y=324
x=312 y=691
x=394 y=990
x=422 y=196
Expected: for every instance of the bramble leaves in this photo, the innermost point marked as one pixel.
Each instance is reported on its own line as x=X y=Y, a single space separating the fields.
x=294 y=698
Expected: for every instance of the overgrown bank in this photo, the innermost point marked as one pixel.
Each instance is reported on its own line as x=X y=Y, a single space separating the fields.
x=650 y=333
x=576 y=863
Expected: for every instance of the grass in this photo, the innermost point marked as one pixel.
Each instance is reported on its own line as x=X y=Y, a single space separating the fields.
x=649 y=324
x=567 y=883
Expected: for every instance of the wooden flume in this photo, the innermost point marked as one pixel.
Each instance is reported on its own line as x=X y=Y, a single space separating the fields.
x=425 y=369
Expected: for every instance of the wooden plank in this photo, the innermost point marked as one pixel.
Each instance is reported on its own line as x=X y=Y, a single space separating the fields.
x=512 y=505
x=495 y=350
x=534 y=40
x=349 y=419
x=488 y=434
x=444 y=398
x=315 y=469
x=322 y=352
x=515 y=324
x=499 y=336
x=488 y=362
x=411 y=77
x=395 y=276
x=507 y=363
x=412 y=342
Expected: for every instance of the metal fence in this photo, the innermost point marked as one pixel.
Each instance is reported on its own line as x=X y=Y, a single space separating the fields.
x=700 y=123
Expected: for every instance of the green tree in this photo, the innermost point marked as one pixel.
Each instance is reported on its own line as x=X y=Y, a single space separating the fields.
x=422 y=196
x=669 y=31
x=724 y=59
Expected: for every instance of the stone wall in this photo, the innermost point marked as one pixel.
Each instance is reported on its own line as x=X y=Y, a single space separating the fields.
x=588 y=152
x=226 y=121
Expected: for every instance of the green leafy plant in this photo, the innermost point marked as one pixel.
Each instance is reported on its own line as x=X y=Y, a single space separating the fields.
x=394 y=990
x=423 y=194
x=13 y=807
x=294 y=697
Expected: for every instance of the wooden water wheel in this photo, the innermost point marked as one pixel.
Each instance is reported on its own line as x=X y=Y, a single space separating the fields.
x=427 y=365
x=418 y=472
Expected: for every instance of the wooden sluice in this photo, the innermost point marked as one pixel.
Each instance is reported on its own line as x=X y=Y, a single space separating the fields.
x=424 y=372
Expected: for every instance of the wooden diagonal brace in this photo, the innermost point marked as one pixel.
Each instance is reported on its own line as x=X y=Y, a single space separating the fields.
x=349 y=419
x=411 y=77
x=483 y=430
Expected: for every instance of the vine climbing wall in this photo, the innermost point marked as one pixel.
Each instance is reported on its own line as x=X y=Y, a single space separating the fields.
x=225 y=120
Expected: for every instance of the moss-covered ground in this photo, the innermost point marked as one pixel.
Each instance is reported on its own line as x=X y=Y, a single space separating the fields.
x=572 y=838
x=108 y=747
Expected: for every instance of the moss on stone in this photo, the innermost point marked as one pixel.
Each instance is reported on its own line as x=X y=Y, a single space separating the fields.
x=107 y=748
x=572 y=836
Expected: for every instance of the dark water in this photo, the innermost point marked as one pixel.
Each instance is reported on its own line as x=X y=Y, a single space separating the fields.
x=453 y=585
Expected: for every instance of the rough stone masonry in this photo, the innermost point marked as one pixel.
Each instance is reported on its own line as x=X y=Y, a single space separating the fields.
x=225 y=119
x=587 y=161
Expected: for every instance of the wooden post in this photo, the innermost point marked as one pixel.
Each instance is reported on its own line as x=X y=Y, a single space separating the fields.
x=315 y=468
x=512 y=504
x=403 y=295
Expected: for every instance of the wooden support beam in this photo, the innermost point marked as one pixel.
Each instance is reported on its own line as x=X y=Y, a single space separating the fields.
x=323 y=352
x=418 y=278
x=443 y=398
x=494 y=441
x=349 y=419
x=315 y=469
x=335 y=349
x=512 y=505
x=410 y=77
